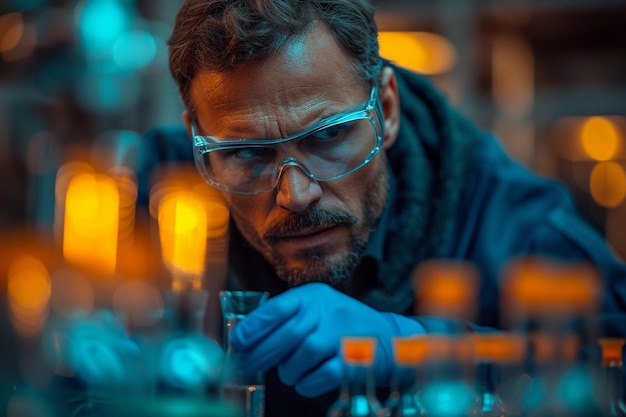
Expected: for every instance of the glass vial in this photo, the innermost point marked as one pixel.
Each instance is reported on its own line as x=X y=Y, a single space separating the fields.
x=612 y=396
x=356 y=397
x=242 y=390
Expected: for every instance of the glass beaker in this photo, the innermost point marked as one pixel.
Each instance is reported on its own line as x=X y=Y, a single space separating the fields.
x=242 y=389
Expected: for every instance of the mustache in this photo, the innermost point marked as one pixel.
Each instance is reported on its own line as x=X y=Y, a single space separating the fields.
x=315 y=217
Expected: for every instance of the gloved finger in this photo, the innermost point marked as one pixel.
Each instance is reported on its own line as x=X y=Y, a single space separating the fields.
x=315 y=349
x=324 y=378
x=277 y=345
x=264 y=320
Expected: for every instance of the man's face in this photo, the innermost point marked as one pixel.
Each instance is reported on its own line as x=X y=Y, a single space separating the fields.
x=308 y=230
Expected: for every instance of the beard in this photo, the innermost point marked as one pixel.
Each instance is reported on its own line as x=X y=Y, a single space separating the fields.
x=321 y=266
x=318 y=266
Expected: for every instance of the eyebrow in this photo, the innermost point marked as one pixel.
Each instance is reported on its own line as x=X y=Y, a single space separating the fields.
x=241 y=142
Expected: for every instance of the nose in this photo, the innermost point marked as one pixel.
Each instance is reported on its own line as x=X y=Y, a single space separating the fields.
x=296 y=190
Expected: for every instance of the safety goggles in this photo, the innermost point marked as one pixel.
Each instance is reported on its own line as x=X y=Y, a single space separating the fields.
x=330 y=149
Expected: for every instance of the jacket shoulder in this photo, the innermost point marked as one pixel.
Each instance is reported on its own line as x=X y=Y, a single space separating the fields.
x=507 y=210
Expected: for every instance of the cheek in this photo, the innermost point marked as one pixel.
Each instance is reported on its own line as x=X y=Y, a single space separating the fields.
x=374 y=187
x=248 y=209
x=354 y=189
x=362 y=180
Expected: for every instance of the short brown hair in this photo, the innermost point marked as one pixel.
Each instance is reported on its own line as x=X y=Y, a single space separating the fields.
x=219 y=35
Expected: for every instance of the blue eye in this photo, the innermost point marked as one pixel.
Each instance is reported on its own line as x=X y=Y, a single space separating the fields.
x=333 y=132
x=329 y=133
x=247 y=154
x=331 y=137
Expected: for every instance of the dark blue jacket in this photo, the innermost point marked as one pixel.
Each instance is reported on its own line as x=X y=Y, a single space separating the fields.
x=506 y=211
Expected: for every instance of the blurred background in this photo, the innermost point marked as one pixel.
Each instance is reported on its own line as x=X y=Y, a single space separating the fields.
x=548 y=77
x=82 y=80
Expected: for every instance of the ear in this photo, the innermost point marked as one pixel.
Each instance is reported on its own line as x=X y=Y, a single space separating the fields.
x=186 y=118
x=390 y=101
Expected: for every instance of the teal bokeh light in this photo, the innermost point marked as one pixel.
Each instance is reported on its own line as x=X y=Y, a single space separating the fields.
x=101 y=23
x=111 y=37
x=134 y=49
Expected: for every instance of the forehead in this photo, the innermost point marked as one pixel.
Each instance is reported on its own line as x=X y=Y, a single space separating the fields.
x=310 y=78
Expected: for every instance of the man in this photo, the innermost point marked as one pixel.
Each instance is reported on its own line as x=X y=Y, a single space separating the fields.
x=343 y=173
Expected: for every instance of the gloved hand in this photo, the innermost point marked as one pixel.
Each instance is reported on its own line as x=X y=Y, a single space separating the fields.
x=301 y=329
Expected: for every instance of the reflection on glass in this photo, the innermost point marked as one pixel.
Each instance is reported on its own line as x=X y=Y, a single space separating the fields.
x=245 y=390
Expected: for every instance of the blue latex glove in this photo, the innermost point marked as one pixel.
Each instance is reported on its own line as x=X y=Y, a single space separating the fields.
x=301 y=329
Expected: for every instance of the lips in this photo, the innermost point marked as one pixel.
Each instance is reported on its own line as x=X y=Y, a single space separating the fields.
x=311 y=230
x=306 y=238
x=305 y=232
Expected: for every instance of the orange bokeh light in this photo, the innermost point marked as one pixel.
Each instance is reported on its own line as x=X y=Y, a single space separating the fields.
x=193 y=221
x=600 y=138
x=611 y=350
x=183 y=232
x=359 y=350
x=539 y=287
x=91 y=222
x=607 y=184
x=423 y=52
x=29 y=292
x=446 y=287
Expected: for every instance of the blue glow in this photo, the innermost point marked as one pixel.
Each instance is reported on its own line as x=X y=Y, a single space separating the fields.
x=134 y=49
x=190 y=362
x=446 y=398
x=100 y=23
x=98 y=350
x=360 y=406
x=576 y=388
x=188 y=365
x=489 y=402
x=97 y=361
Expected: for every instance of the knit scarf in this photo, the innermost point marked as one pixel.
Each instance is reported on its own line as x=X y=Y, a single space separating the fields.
x=430 y=161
